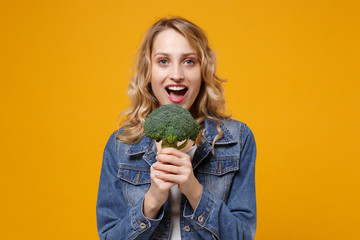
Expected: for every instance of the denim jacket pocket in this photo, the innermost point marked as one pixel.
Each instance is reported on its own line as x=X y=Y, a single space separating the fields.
x=135 y=182
x=216 y=174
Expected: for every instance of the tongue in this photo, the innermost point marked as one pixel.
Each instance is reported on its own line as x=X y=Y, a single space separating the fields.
x=176 y=94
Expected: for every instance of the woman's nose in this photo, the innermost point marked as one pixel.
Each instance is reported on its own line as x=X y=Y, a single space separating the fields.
x=177 y=74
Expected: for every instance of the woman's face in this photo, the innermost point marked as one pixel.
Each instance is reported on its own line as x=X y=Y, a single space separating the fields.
x=175 y=71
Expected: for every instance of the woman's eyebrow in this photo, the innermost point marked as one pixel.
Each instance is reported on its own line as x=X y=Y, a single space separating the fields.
x=166 y=54
x=189 y=54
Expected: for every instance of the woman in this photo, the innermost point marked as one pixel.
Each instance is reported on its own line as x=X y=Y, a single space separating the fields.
x=204 y=191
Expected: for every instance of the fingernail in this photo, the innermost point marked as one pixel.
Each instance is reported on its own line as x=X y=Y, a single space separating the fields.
x=156 y=174
x=154 y=165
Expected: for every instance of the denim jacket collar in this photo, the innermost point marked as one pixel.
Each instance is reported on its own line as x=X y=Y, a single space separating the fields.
x=142 y=146
x=210 y=132
x=147 y=146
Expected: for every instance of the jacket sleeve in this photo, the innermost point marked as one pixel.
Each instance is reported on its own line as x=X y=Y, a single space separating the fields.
x=235 y=219
x=116 y=220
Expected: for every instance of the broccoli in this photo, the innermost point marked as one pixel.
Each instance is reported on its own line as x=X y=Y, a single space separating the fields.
x=172 y=124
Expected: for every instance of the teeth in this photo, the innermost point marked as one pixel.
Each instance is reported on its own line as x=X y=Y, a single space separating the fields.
x=176 y=88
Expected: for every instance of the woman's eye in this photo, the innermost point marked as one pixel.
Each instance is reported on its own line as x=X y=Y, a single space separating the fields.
x=189 y=62
x=163 y=61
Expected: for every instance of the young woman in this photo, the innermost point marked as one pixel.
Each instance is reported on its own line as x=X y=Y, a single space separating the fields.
x=203 y=191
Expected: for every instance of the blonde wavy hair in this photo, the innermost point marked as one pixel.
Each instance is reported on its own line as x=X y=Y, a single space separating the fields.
x=210 y=101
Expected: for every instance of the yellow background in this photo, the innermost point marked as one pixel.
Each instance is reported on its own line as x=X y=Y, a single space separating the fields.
x=293 y=77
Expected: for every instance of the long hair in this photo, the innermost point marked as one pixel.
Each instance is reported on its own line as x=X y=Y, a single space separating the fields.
x=210 y=101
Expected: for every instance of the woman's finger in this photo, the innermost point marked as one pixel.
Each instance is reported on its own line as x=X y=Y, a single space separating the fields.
x=174 y=160
x=174 y=178
x=173 y=151
x=168 y=168
x=158 y=182
x=169 y=159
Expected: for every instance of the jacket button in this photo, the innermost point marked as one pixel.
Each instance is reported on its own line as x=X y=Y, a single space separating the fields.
x=187 y=228
x=201 y=218
x=142 y=225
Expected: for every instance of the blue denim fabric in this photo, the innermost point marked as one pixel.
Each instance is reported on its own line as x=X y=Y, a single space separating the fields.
x=227 y=207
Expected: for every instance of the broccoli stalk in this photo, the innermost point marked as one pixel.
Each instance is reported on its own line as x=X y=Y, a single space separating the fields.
x=172 y=124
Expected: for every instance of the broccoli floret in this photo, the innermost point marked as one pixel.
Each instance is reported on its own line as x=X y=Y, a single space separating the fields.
x=172 y=124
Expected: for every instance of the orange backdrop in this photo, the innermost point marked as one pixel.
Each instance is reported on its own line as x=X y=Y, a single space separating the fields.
x=293 y=77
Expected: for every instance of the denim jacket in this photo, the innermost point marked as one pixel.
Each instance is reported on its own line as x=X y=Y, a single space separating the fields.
x=227 y=207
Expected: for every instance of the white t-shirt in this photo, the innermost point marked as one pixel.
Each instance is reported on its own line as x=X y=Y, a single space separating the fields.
x=175 y=198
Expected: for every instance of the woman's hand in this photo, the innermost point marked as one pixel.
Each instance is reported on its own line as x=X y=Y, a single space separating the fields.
x=156 y=196
x=174 y=167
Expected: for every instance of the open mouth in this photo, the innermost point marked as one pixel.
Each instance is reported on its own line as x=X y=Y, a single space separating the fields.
x=176 y=93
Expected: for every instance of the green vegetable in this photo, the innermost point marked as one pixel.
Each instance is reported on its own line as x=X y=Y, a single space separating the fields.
x=172 y=124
